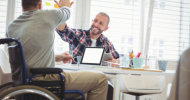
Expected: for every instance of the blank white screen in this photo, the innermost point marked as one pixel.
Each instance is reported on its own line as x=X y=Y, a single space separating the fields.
x=92 y=55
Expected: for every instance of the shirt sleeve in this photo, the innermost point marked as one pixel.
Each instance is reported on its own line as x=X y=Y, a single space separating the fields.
x=67 y=35
x=60 y=15
x=114 y=53
x=7 y=35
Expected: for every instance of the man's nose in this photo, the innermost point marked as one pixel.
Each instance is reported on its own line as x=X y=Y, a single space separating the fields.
x=96 y=24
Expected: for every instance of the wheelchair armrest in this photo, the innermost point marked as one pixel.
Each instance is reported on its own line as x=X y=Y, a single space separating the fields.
x=45 y=70
x=5 y=40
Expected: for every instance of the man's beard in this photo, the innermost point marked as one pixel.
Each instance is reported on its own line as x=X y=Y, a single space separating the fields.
x=99 y=32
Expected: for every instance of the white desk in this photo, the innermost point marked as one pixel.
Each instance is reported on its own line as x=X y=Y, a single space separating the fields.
x=115 y=74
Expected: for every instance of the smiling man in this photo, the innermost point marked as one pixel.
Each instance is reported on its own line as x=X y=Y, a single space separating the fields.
x=78 y=39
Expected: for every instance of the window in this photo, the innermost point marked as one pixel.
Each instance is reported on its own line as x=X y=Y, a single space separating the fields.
x=155 y=4
x=162 y=5
x=18 y=10
x=130 y=40
x=124 y=22
x=3 y=14
x=170 y=27
x=59 y=46
x=170 y=31
x=161 y=43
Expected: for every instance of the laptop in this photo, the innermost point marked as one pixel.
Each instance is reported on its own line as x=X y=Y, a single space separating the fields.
x=92 y=56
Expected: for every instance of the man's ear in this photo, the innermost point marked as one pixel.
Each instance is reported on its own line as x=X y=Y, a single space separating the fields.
x=106 y=28
x=40 y=6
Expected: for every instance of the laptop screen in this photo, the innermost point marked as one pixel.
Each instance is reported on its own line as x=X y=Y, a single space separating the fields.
x=92 y=55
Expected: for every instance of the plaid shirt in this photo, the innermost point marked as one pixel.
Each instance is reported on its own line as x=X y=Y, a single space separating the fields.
x=78 y=39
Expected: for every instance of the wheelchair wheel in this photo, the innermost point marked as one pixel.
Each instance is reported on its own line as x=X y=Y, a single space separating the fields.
x=5 y=87
x=32 y=93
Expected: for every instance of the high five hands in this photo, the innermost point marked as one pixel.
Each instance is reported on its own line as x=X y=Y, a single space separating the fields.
x=62 y=3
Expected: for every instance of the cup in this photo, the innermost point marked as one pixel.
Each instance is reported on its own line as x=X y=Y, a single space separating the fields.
x=162 y=65
x=124 y=61
x=78 y=60
x=152 y=62
x=137 y=62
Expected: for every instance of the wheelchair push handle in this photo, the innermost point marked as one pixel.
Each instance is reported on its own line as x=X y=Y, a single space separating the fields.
x=6 y=40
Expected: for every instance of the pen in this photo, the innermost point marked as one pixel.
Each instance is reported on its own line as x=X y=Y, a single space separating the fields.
x=138 y=55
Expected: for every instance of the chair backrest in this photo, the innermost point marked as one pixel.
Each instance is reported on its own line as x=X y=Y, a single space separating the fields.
x=17 y=62
x=5 y=69
x=181 y=84
x=142 y=82
x=16 y=65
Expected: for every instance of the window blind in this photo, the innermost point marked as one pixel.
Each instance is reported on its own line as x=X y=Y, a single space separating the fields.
x=3 y=14
x=170 y=33
x=59 y=45
x=124 y=27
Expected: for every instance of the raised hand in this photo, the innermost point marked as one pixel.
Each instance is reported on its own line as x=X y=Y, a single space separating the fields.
x=62 y=3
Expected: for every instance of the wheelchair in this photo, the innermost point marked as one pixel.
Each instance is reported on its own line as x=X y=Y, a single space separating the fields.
x=22 y=88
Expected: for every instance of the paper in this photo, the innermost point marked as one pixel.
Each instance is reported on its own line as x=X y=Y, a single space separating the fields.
x=56 y=6
x=48 y=4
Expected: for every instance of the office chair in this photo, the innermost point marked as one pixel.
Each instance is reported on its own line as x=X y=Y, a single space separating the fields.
x=181 y=84
x=138 y=85
x=20 y=81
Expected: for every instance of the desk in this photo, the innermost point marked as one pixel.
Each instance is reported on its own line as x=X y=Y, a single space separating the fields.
x=115 y=74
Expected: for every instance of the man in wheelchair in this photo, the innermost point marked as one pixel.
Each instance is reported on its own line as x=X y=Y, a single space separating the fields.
x=35 y=30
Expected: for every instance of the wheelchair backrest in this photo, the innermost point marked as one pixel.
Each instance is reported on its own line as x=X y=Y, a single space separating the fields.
x=17 y=62
x=16 y=65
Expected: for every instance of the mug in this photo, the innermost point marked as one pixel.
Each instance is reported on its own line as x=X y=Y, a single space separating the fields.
x=137 y=62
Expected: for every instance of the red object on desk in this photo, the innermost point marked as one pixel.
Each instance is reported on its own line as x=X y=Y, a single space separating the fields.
x=138 y=55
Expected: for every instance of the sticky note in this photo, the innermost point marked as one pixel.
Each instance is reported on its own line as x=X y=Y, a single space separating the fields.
x=56 y=6
x=48 y=4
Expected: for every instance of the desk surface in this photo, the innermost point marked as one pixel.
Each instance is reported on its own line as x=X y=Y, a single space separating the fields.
x=115 y=74
x=115 y=70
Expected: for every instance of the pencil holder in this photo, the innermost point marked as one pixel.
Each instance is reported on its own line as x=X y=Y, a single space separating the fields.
x=137 y=62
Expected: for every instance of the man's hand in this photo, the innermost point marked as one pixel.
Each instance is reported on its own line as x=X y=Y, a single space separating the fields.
x=62 y=3
x=65 y=57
